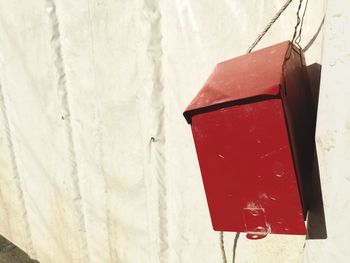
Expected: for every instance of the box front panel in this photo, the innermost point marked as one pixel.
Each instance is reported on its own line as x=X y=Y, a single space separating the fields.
x=247 y=169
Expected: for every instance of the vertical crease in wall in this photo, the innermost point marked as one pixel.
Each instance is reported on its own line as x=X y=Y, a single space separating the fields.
x=66 y=117
x=152 y=15
x=16 y=176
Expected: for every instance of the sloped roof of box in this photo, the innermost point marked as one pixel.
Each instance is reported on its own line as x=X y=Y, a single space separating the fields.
x=255 y=74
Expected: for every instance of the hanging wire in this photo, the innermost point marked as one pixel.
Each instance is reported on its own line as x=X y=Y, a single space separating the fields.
x=235 y=243
x=298 y=39
x=297 y=29
x=222 y=246
x=297 y=23
x=268 y=26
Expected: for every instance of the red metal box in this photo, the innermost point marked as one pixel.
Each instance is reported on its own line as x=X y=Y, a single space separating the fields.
x=251 y=124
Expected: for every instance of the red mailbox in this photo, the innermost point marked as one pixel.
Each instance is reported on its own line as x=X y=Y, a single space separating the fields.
x=252 y=128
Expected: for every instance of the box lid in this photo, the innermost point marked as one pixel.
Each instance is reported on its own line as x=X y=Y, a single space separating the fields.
x=245 y=77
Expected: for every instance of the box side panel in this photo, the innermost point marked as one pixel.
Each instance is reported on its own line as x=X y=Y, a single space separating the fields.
x=247 y=168
x=301 y=121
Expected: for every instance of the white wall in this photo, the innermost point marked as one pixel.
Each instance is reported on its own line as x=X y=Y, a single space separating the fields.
x=97 y=163
x=333 y=136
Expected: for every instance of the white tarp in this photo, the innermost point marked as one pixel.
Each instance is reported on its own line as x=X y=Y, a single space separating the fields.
x=97 y=163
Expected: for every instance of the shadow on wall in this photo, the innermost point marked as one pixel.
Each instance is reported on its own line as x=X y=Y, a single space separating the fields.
x=9 y=253
x=316 y=224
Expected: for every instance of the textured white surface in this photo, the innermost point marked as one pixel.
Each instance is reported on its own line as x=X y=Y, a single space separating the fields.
x=333 y=136
x=97 y=162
